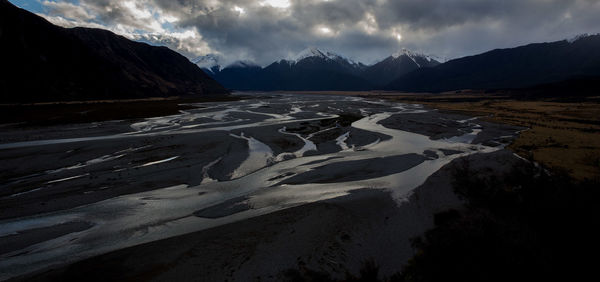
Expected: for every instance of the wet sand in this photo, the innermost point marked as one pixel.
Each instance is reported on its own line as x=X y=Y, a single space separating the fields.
x=334 y=236
x=232 y=167
x=22 y=239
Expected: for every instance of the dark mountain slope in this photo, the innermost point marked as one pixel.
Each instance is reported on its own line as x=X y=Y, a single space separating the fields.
x=238 y=76
x=519 y=67
x=312 y=69
x=44 y=62
x=311 y=73
x=395 y=66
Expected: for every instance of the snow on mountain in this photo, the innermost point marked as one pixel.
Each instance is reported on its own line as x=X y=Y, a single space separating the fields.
x=580 y=36
x=214 y=63
x=414 y=55
x=309 y=52
x=396 y=65
x=208 y=62
x=319 y=53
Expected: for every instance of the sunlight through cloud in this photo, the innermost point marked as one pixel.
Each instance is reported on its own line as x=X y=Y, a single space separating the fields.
x=136 y=11
x=276 y=3
x=242 y=29
x=239 y=10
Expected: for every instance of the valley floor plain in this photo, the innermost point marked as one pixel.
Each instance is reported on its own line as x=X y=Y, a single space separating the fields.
x=271 y=187
x=562 y=132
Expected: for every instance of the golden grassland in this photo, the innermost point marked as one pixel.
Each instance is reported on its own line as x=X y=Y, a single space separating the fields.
x=561 y=135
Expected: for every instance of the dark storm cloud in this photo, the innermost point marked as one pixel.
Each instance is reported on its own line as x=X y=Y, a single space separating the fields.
x=267 y=30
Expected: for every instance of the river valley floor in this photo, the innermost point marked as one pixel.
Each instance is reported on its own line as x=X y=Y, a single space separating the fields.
x=235 y=190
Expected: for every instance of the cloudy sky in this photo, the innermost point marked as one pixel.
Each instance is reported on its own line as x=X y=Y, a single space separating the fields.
x=365 y=30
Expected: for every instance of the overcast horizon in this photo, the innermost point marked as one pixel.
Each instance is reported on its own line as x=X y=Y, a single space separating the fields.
x=366 y=31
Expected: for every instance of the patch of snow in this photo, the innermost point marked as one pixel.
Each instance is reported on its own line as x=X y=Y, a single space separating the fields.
x=319 y=53
x=208 y=61
x=212 y=61
x=204 y=59
x=577 y=37
x=412 y=55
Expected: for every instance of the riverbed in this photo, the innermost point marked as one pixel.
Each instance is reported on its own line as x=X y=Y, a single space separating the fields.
x=89 y=189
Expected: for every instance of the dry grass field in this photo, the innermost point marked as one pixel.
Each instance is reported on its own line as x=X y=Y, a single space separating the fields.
x=562 y=135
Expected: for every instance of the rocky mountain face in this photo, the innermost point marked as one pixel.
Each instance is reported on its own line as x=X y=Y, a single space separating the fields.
x=44 y=62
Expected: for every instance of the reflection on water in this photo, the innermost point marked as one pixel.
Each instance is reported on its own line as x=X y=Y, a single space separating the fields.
x=259 y=183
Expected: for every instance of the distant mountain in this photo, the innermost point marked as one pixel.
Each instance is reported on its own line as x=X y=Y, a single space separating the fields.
x=44 y=62
x=314 y=69
x=396 y=65
x=315 y=58
x=311 y=69
x=520 y=67
x=240 y=75
x=210 y=62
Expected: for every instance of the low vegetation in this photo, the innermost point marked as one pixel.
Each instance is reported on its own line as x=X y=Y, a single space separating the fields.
x=562 y=135
x=528 y=225
x=538 y=222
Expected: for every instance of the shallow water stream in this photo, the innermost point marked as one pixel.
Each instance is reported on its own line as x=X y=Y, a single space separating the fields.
x=264 y=176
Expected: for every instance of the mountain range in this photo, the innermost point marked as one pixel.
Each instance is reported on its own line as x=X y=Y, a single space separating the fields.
x=397 y=65
x=564 y=63
x=45 y=62
x=314 y=69
x=520 y=67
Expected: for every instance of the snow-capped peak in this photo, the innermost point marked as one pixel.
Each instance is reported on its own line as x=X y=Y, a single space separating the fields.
x=402 y=52
x=318 y=53
x=207 y=61
x=577 y=37
x=307 y=53
x=412 y=55
x=212 y=63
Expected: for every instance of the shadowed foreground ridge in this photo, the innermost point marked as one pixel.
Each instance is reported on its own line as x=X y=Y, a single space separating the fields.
x=44 y=62
x=528 y=224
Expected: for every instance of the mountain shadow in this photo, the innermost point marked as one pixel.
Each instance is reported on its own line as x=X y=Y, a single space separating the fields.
x=45 y=62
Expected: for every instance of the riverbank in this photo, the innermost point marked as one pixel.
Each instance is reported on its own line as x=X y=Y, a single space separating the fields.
x=189 y=172
x=59 y=113
x=563 y=133
x=328 y=213
x=330 y=239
